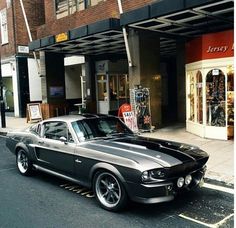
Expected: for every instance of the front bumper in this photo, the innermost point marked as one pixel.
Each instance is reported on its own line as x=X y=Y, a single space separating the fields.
x=163 y=191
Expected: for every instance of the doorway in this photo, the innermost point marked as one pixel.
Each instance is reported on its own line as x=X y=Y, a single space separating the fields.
x=112 y=92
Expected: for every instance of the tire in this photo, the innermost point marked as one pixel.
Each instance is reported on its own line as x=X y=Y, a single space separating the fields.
x=109 y=191
x=23 y=163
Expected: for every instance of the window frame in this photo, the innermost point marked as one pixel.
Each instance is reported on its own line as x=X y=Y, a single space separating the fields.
x=4 y=27
x=69 y=135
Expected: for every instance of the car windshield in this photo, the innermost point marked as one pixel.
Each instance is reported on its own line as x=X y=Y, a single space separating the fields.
x=100 y=127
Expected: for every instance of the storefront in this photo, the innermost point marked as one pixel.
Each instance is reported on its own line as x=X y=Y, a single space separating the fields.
x=210 y=85
x=10 y=88
x=112 y=86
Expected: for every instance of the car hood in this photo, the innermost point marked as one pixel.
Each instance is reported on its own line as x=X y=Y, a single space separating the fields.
x=144 y=150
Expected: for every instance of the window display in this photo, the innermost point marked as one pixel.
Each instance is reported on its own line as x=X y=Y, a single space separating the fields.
x=230 y=101
x=191 y=97
x=195 y=97
x=199 y=97
x=215 y=98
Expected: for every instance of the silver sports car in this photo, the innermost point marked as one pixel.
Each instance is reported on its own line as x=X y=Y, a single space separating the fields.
x=102 y=153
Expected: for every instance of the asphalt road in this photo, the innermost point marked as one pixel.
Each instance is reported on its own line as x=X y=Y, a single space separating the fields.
x=45 y=201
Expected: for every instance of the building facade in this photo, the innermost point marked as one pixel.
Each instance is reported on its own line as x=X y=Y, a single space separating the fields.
x=15 y=52
x=125 y=45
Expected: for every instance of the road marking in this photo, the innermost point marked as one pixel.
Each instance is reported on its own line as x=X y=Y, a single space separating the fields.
x=219 y=188
x=194 y=220
x=216 y=225
x=223 y=221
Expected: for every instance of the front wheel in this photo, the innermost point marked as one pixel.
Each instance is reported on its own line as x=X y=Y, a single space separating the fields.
x=23 y=163
x=109 y=191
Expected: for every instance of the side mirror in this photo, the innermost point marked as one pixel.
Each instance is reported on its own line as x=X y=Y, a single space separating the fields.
x=63 y=139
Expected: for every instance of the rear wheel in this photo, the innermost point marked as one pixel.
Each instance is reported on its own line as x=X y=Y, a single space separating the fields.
x=23 y=163
x=109 y=191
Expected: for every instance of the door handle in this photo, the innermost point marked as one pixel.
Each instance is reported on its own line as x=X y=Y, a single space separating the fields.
x=78 y=161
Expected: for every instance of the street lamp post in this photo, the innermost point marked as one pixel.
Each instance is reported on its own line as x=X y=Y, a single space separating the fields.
x=2 y=105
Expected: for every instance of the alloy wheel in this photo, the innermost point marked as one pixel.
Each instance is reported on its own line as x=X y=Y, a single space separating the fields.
x=108 y=190
x=22 y=162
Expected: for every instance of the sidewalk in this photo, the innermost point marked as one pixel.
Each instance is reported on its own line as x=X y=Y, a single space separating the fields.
x=220 y=166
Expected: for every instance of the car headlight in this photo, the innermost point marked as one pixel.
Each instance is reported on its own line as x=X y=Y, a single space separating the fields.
x=152 y=175
x=145 y=176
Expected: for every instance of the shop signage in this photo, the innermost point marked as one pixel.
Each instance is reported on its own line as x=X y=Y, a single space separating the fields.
x=34 y=112
x=130 y=120
x=215 y=72
x=101 y=66
x=217 y=49
x=23 y=49
x=61 y=37
x=211 y=46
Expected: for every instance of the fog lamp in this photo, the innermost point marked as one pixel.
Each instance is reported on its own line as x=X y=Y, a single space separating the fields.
x=188 y=179
x=180 y=182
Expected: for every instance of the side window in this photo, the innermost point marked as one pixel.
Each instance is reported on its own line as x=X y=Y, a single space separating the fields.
x=56 y=130
x=35 y=129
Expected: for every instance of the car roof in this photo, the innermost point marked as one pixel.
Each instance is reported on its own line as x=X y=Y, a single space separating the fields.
x=72 y=118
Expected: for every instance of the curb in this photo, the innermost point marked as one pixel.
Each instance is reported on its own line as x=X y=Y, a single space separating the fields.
x=3 y=133
x=210 y=180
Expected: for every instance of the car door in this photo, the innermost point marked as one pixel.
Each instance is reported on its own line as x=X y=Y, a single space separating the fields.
x=55 y=148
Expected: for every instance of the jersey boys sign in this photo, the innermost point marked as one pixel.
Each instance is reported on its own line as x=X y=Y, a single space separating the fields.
x=211 y=46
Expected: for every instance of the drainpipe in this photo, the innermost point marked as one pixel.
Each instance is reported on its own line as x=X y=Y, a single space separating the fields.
x=29 y=34
x=125 y=36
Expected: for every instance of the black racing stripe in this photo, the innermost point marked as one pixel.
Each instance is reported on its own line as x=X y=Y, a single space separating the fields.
x=158 y=146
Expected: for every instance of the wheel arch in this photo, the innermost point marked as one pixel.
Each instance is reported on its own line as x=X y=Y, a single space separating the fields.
x=21 y=146
x=106 y=167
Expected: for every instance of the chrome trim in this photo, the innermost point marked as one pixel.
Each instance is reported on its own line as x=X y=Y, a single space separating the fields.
x=153 y=200
x=37 y=167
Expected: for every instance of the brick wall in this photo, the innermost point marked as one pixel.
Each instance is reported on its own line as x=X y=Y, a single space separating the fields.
x=103 y=10
x=17 y=32
x=134 y=4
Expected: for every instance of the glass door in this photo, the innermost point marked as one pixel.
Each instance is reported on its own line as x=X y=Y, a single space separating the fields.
x=215 y=104
x=118 y=90
x=102 y=94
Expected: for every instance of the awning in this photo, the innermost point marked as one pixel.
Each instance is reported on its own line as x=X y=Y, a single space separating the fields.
x=181 y=19
x=102 y=37
x=172 y=20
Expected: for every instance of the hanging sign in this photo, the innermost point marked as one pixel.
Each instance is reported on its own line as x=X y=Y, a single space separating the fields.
x=23 y=49
x=61 y=37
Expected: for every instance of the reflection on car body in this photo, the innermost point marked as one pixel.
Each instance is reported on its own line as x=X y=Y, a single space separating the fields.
x=102 y=153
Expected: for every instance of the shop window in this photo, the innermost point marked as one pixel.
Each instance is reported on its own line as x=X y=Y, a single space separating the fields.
x=215 y=98
x=230 y=101
x=191 y=98
x=199 y=97
x=67 y=7
x=113 y=87
x=195 y=97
